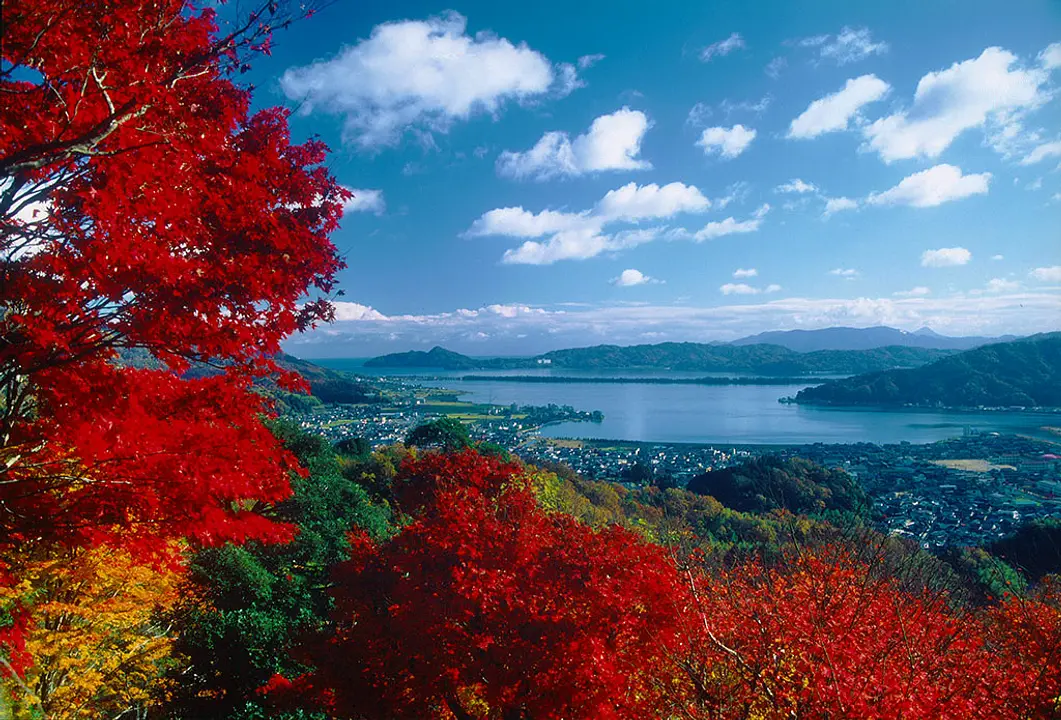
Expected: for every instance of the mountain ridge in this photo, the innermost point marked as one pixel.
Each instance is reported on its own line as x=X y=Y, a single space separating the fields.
x=850 y=338
x=1019 y=373
x=760 y=359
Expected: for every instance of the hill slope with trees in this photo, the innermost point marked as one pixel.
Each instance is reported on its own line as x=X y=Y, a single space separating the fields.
x=757 y=359
x=1023 y=373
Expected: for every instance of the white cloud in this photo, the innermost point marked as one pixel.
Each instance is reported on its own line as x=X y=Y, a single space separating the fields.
x=737 y=191
x=998 y=285
x=576 y=236
x=738 y=289
x=353 y=312
x=745 y=289
x=745 y=273
x=577 y=245
x=588 y=61
x=730 y=226
x=946 y=103
x=757 y=107
x=834 y=112
x=796 y=186
x=517 y=222
x=919 y=291
x=945 y=257
x=698 y=114
x=998 y=257
x=631 y=277
x=1050 y=58
x=851 y=45
x=1046 y=274
x=722 y=47
x=1042 y=152
x=838 y=204
x=613 y=142
x=419 y=74
x=729 y=142
x=572 y=325
x=931 y=187
x=365 y=201
x=631 y=202
x=775 y=66
x=849 y=273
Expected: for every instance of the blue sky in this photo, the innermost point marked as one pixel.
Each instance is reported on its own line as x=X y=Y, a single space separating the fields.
x=533 y=176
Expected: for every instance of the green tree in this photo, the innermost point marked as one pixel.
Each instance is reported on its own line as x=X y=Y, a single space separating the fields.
x=355 y=447
x=448 y=434
x=246 y=606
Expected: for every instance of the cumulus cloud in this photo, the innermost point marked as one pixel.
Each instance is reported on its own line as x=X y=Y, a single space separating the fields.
x=838 y=204
x=613 y=142
x=575 y=236
x=998 y=285
x=730 y=226
x=850 y=45
x=353 y=312
x=1050 y=58
x=931 y=187
x=631 y=277
x=1046 y=274
x=576 y=245
x=581 y=235
x=722 y=47
x=421 y=75
x=745 y=289
x=365 y=201
x=517 y=222
x=834 y=112
x=796 y=186
x=1042 y=152
x=745 y=272
x=728 y=142
x=738 y=289
x=632 y=202
x=946 y=257
x=969 y=94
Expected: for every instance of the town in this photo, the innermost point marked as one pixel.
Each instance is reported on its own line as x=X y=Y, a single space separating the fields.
x=968 y=490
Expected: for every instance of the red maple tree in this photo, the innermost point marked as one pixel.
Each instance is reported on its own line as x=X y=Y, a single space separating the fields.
x=487 y=606
x=822 y=635
x=145 y=208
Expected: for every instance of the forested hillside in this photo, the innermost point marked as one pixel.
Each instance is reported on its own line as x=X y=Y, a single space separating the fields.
x=757 y=359
x=1025 y=373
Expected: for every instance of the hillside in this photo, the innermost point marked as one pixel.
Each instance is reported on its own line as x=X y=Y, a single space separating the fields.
x=848 y=338
x=437 y=357
x=700 y=357
x=328 y=386
x=1024 y=373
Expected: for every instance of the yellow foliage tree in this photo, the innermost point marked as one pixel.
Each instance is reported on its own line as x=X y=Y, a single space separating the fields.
x=96 y=648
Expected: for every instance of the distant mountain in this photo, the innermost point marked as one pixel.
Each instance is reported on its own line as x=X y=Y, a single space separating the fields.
x=753 y=359
x=436 y=357
x=1024 y=373
x=848 y=338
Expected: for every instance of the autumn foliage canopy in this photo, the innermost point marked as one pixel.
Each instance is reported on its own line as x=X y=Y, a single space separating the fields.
x=145 y=208
x=148 y=214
